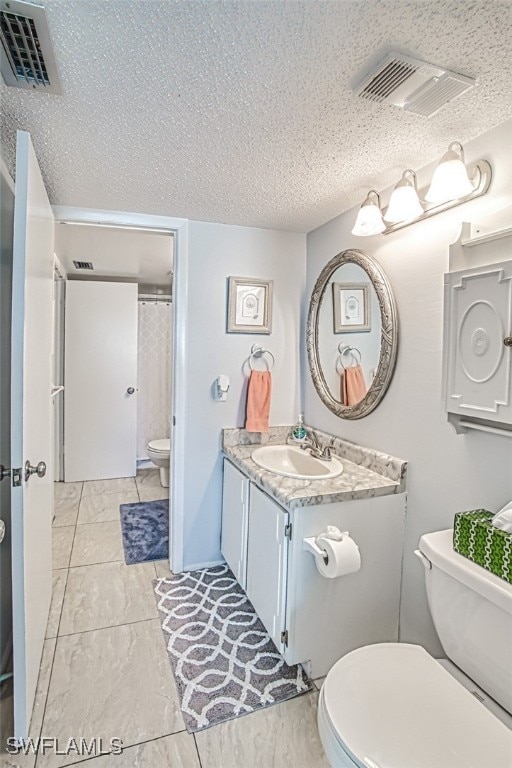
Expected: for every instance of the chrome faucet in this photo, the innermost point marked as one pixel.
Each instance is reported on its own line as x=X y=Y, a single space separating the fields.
x=312 y=445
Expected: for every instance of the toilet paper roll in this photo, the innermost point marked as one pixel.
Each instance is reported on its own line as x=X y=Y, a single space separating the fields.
x=341 y=557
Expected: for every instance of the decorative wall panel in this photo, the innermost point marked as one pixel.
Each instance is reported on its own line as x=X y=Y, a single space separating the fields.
x=479 y=316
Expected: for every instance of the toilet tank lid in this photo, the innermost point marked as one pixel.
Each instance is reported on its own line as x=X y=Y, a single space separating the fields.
x=163 y=445
x=392 y=704
x=438 y=547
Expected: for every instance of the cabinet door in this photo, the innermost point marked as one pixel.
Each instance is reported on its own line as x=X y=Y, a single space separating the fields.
x=267 y=560
x=479 y=304
x=235 y=498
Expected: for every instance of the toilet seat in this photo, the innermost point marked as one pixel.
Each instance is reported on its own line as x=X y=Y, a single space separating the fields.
x=392 y=705
x=160 y=446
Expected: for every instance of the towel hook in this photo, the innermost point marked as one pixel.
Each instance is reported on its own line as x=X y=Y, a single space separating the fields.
x=258 y=351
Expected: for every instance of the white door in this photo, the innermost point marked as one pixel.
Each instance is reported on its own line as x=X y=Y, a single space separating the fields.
x=31 y=426
x=235 y=500
x=267 y=560
x=100 y=380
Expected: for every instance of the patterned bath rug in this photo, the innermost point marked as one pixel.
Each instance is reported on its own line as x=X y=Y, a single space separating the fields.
x=223 y=659
x=145 y=527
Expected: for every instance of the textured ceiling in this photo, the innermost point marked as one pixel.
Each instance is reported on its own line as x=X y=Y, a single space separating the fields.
x=242 y=112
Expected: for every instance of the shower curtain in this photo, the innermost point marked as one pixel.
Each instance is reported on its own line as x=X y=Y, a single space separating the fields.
x=154 y=374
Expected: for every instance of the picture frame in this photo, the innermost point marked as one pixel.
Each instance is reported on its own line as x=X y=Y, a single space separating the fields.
x=249 y=305
x=351 y=305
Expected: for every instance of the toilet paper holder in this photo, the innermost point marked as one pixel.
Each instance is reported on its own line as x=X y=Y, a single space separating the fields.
x=335 y=553
x=332 y=532
x=310 y=545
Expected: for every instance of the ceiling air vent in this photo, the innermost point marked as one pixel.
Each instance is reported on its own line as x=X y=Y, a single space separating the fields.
x=83 y=264
x=27 y=58
x=412 y=85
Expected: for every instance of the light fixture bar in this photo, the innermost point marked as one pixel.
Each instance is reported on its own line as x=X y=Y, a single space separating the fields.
x=481 y=176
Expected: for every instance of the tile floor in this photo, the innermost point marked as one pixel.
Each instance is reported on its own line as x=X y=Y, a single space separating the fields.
x=105 y=671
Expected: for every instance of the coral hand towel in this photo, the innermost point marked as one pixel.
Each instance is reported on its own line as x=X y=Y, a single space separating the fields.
x=354 y=385
x=258 y=401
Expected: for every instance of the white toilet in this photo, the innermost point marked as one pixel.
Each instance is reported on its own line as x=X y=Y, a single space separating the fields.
x=392 y=705
x=159 y=451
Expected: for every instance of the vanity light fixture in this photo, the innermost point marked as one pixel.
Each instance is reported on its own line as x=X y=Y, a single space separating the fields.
x=450 y=179
x=369 y=218
x=452 y=184
x=404 y=203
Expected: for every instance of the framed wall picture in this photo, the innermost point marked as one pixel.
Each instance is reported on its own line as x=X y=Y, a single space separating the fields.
x=249 y=305
x=351 y=304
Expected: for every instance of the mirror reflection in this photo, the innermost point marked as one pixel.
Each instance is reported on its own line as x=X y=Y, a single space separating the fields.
x=349 y=333
x=352 y=334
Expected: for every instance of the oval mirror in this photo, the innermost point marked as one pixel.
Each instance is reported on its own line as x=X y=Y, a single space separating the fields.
x=352 y=334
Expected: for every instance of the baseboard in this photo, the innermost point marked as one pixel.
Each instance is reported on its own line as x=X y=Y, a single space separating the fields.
x=202 y=566
x=145 y=464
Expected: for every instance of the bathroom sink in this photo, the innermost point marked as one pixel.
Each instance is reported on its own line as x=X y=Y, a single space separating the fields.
x=291 y=461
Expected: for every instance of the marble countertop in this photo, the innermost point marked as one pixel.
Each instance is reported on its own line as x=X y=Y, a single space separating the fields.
x=366 y=474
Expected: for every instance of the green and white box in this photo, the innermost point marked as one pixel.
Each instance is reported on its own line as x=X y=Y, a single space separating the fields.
x=476 y=538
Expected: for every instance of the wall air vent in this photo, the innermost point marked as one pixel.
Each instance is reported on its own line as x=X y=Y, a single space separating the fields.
x=26 y=55
x=412 y=85
x=83 y=264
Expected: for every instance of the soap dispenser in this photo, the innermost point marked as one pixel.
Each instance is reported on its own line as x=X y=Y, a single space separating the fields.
x=299 y=432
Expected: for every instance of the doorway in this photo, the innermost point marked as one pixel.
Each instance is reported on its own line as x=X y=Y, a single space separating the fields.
x=144 y=252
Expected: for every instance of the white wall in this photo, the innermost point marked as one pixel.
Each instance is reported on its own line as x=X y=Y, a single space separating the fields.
x=447 y=472
x=217 y=251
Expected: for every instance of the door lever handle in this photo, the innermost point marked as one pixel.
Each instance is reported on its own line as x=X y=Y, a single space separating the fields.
x=39 y=470
x=130 y=390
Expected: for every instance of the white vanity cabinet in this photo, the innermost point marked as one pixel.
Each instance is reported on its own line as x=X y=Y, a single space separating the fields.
x=311 y=619
x=235 y=509
x=327 y=618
